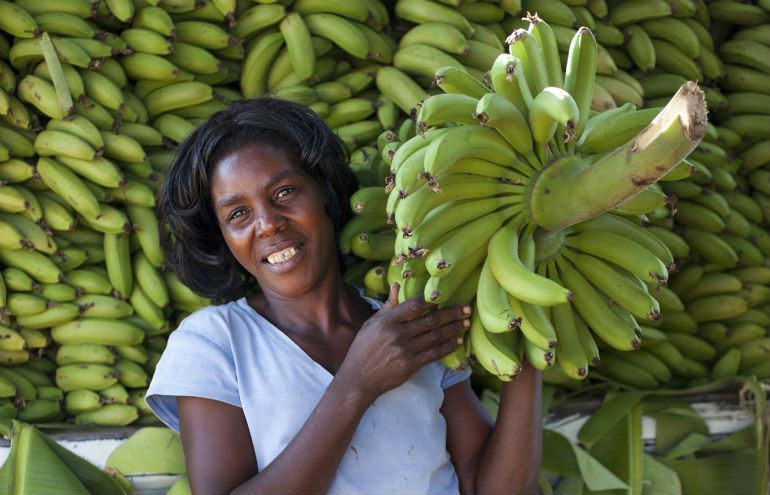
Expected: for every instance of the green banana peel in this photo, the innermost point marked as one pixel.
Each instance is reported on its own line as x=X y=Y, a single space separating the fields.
x=570 y=190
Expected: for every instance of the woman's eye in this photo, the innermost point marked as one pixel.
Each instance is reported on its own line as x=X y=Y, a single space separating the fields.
x=235 y=214
x=284 y=191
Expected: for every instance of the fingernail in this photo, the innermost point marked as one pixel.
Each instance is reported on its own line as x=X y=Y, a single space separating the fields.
x=459 y=341
x=467 y=310
x=466 y=323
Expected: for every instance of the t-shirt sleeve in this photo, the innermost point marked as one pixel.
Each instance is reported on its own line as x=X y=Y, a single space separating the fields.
x=452 y=377
x=191 y=365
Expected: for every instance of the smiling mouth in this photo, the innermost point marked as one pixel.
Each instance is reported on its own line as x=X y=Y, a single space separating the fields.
x=282 y=256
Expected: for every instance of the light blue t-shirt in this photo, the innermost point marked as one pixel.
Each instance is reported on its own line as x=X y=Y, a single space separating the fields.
x=232 y=354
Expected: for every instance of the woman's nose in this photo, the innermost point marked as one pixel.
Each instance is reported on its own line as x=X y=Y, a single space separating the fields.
x=269 y=223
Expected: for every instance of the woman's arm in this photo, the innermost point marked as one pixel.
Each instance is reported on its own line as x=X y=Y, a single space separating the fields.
x=500 y=458
x=392 y=346
x=220 y=456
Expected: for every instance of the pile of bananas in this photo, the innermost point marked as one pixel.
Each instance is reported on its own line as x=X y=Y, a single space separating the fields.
x=95 y=95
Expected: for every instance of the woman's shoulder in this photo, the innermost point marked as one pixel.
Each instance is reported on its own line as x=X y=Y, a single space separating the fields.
x=217 y=323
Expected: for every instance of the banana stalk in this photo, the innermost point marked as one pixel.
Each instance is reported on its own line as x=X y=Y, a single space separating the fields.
x=567 y=191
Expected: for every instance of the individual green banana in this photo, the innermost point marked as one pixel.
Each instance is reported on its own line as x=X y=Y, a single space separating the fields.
x=194 y=58
x=109 y=415
x=116 y=394
x=551 y=107
x=443 y=36
x=122 y=147
x=81 y=127
x=441 y=109
x=675 y=32
x=727 y=365
x=341 y=31
x=495 y=352
x=440 y=222
x=617 y=286
x=67 y=185
x=23 y=304
x=131 y=374
x=517 y=279
x=103 y=306
x=82 y=400
x=147 y=41
x=692 y=346
x=457 y=80
x=467 y=141
x=423 y=60
x=627 y=372
x=150 y=67
x=629 y=12
x=714 y=308
x=672 y=59
x=710 y=247
x=85 y=376
x=607 y=134
x=84 y=353
x=91 y=330
x=424 y=11
x=613 y=329
x=32 y=235
x=53 y=315
x=495 y=111
x=204 y=34
x=463 y=240
x=257 y=18
x=400 y=88
x=260 y=56
x=626 y=228
x=35 y=264
x=621 y=251
x=415 y=207
x=42 y=95
x=177 y=95
x=117 y=257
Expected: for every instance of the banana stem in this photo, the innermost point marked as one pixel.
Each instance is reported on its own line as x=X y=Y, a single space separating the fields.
x=570 y=190
x=57 y=74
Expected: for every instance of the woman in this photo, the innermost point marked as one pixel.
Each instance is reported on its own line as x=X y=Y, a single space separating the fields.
x=306 y=386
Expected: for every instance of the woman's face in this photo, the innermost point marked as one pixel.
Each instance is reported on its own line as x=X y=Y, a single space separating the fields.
x=272 y=217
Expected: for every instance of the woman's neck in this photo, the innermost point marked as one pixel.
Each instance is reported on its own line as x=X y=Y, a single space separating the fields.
x=331 y=307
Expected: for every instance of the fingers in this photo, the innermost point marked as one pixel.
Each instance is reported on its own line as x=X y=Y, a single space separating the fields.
x=434 y=337
x=441 y=348
x=409 y=309
x=392 y=296
x=435 y=319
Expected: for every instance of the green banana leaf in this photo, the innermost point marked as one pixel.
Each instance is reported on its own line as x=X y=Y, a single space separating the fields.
x=580 y=465
x=692 y=443
x=745 y=438
x=151 y=450
x=737 y=473
x=38 y=465
x=621 y=449
x=659 y=479
x=615 y=407
x=569 y=485
x=95 y=480
x=674 y=425
x=34 y=469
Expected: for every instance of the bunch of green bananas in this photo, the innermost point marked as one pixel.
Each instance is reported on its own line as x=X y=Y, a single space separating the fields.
x=475 y=199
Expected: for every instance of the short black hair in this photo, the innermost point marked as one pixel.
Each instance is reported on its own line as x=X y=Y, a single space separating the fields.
x=190 y=235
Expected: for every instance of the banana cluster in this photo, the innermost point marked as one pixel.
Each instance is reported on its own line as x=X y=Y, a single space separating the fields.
x=460 y=195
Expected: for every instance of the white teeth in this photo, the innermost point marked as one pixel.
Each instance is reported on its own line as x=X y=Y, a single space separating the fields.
x=281 y=256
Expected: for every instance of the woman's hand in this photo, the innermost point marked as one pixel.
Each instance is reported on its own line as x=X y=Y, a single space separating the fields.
x=398 y=340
